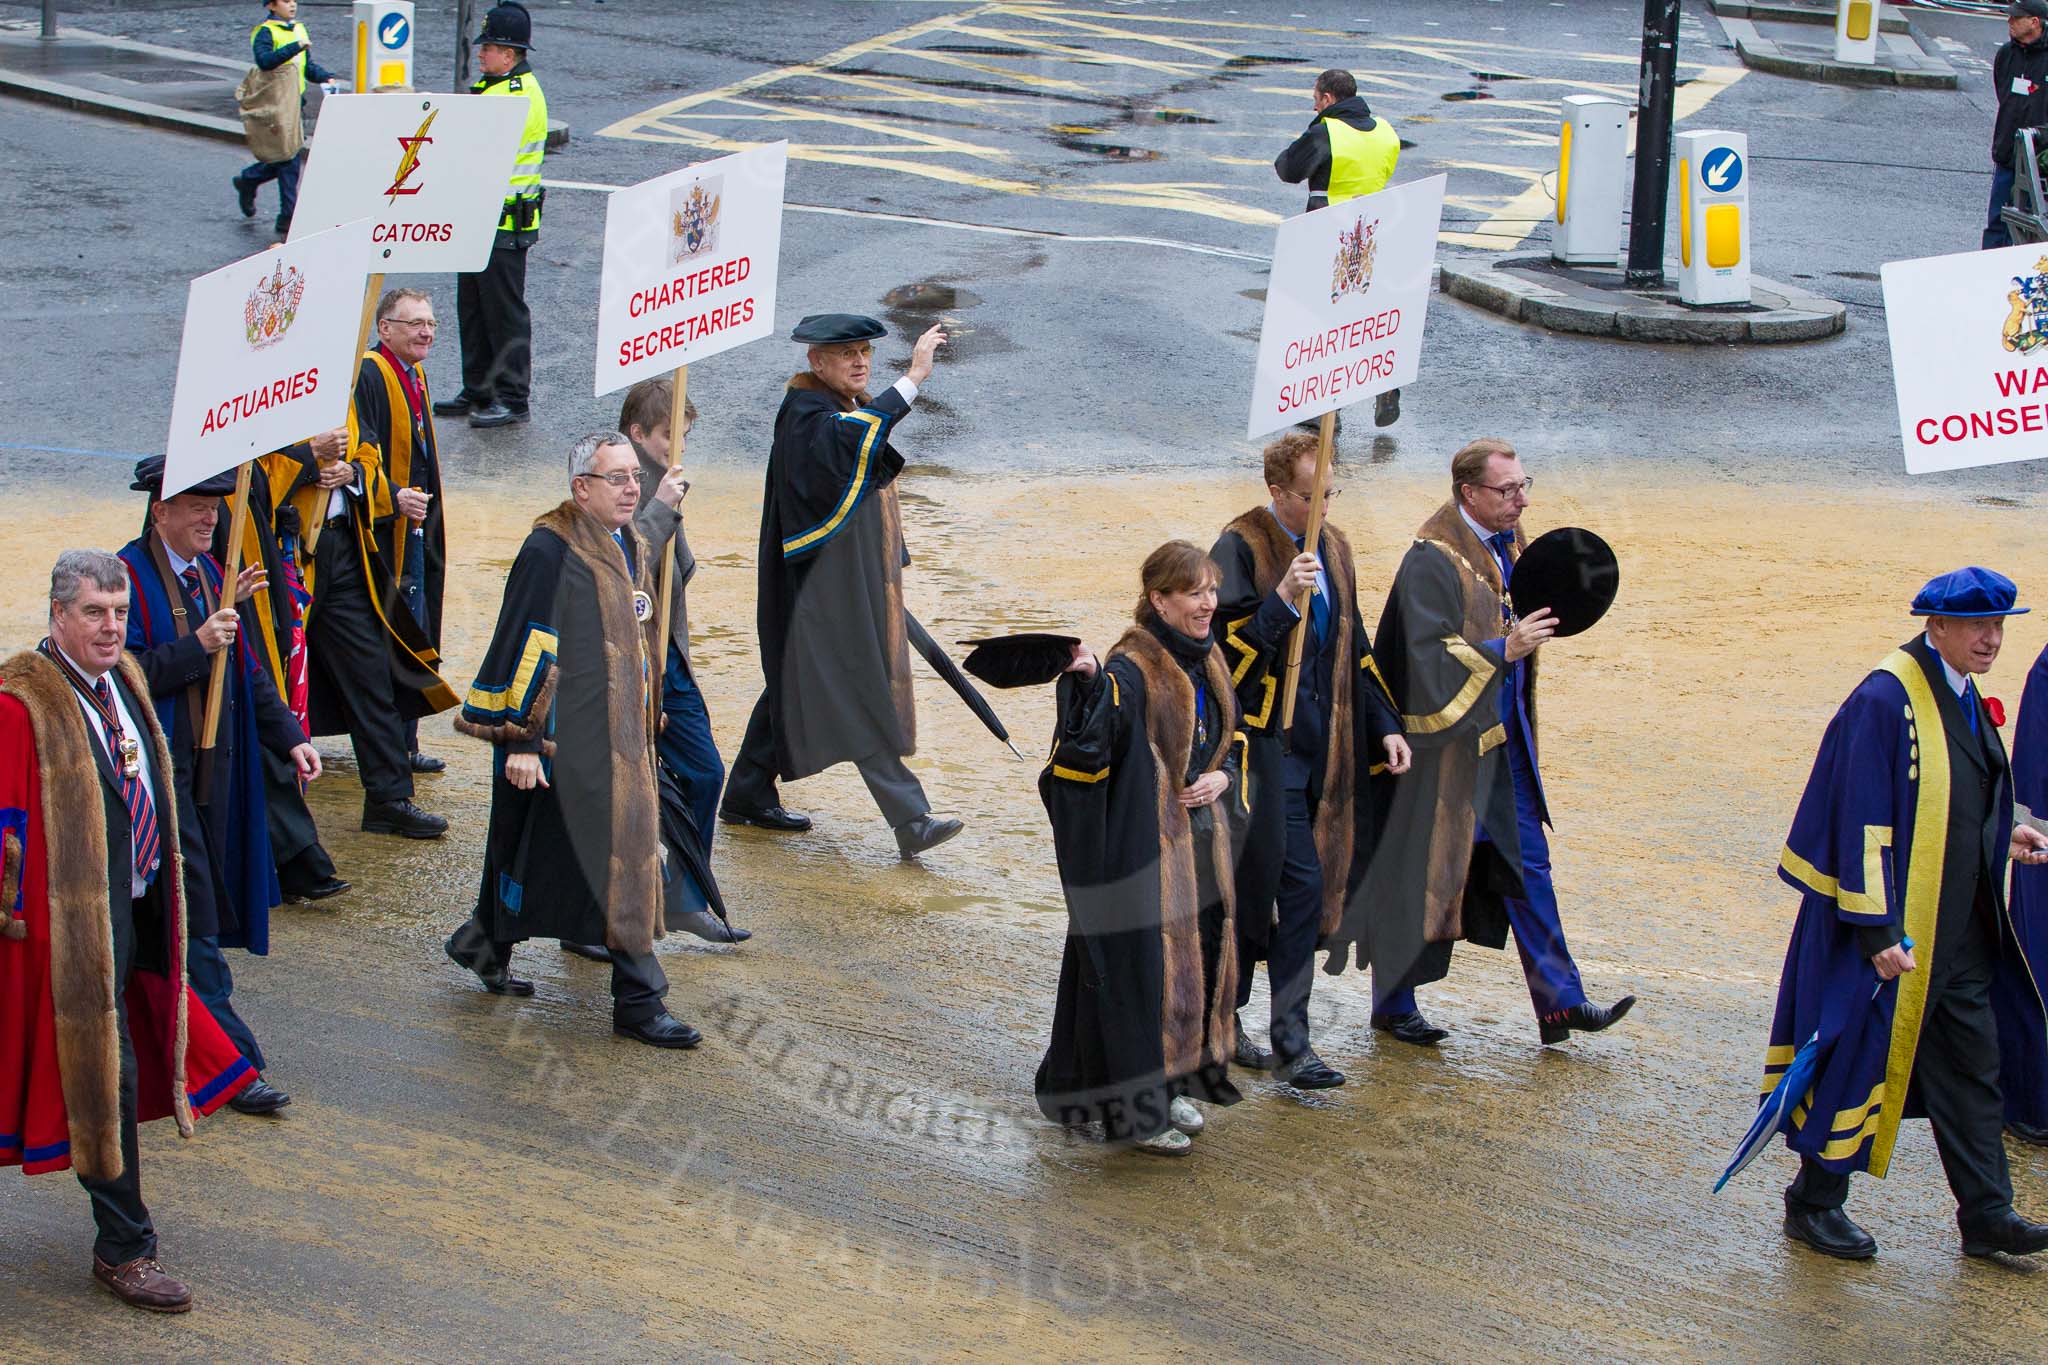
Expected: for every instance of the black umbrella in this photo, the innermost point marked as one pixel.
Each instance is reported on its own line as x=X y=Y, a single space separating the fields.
x=943 y=665
x=685 y=849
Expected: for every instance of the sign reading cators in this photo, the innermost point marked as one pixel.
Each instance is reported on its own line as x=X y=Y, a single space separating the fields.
x=1969 y=338
x=429 y=171
x=269 y=353
x=1345 y=303
x=690 y=261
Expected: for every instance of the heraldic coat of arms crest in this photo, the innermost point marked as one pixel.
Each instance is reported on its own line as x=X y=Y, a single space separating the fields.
x=272 y=305
x=2026 y=326
x=1351 y=271
x=693 y=220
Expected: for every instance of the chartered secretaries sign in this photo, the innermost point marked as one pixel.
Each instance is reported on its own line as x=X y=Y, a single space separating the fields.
x=1969 y=337
x=1345 y=304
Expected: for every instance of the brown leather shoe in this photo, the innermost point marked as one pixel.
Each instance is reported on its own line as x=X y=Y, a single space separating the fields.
x=142 y=1283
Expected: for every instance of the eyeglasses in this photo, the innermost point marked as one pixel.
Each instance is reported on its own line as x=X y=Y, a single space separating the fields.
x=1328 y=494
x=417 y=324
x=1508 y=490
x=616 y=480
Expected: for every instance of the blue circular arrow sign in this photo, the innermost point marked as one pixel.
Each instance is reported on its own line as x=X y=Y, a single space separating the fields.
x=1721 y=169
x=393 y=31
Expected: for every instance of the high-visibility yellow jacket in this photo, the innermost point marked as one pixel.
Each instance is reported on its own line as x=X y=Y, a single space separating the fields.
x=1345 y=152
x=274 y=43
x=520 y=224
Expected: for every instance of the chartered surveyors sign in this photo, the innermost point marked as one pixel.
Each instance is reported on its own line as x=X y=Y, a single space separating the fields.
x=1969 y=338
x=429 y=171
x=269 y=355
x=1345 y=303
x=690 y=260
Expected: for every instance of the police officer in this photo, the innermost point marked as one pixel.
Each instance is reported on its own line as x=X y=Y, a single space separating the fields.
x=1345 y=153
x=2019 y=81
x=490 y=307
x=281 y=40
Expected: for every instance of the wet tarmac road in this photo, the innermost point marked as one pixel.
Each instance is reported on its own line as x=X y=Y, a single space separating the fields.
x=851 y=1167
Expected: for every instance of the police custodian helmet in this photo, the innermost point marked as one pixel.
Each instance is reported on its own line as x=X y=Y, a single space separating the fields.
x=508 y=25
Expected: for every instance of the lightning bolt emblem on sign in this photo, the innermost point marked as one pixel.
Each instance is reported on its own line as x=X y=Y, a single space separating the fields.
x=410 y=162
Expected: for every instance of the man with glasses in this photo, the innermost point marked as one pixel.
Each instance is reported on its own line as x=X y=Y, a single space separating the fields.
x=1311 y=825
x=1464 y=854
x=834 y=640
x=568 y=696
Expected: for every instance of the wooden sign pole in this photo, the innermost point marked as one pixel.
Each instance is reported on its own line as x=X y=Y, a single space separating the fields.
x=373 y=290
x=678 y=404
x=1325 y=446
x=237 y=528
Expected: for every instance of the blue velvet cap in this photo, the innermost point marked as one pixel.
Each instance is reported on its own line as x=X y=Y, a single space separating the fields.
x=1969 y=592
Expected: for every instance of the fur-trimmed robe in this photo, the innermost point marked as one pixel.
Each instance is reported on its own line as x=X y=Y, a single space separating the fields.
x=1253 y=551
x=60 y=1046
x=1431 y=885
x=569 y=674
x=1148 y=982
x=834 y=646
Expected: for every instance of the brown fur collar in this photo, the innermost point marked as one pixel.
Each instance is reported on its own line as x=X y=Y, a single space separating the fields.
x=805 y=379
x=1336 y=830
x=74 y=828
x=1197 y=1024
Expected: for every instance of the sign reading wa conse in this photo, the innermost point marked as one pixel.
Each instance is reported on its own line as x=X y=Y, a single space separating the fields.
x=1969 y=336
x=690 y=260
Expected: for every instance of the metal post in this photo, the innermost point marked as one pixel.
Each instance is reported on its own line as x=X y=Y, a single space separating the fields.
x=49 y=18
x=1659 y=85
x=461 y=45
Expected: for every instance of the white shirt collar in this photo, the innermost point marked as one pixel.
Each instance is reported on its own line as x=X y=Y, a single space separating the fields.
x=178 y=562
x=1956 y=681
x=90 y=675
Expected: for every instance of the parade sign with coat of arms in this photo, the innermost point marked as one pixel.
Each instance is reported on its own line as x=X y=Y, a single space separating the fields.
x=269 y=353
x=430 y=170
x=1969 y=341
x=1345 y=304
x=690 y=261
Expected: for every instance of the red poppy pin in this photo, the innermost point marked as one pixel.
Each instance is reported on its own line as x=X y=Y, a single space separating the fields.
x=1996 y=709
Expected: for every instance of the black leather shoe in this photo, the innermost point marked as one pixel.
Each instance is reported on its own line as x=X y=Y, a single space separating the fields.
x=2009 y=1233
x=1587 y=1018
x=284 y=227
x=663 y=1030
x=425 y=763
x=499 y=983
x=2029 y=1134
x=498 y=415
x=316 y=891
x=709 y=927
x=1250 y=1055
x=1832 y=1233
x=1309 y=1072
x=259 y=1097
x=924 y=833
x=1410 y=1028
x=402 y=817
x=596 y=952
x=245 y=197
x=461 y=405
x=766 y=817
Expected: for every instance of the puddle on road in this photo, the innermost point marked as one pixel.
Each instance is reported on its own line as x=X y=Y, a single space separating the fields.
x=1260 y=59
x=1113 y=151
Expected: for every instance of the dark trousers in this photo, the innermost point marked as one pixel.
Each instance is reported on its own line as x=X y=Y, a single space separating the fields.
x=206 y=970
x=692 y=755
x=1290 y=956
x=350 y=651
x=1539 y=934
x=639 y=986
x=125 y=1230
x=897 y=792
x=497 y=331
x=412 y=586
x=286 y=174
x=294 y=840
x=1995 y=233
x=1955 y=1075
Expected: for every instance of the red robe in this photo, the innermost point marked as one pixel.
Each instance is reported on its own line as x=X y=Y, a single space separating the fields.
x=59 y=1048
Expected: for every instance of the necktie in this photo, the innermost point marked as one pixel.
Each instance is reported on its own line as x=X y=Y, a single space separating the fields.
x=141 y=808
x=619 y=537
x=1502 y=543
x=1318 y=603
x=192 y=588
x=1970 y=703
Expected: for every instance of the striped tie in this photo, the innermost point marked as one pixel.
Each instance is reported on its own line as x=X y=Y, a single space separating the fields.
x=141 y=809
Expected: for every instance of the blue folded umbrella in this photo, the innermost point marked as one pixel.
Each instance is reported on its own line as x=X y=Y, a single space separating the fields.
x=1774 y=1112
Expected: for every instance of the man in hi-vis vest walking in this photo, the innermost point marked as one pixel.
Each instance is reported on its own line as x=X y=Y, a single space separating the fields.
x=1345 y=153
x=490 y=305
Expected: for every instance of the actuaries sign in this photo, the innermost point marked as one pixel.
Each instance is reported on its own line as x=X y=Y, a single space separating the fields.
x=690 y=261
x=269 y=355
x=1969 y=340
x=430 y=172
x=1345 y=303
